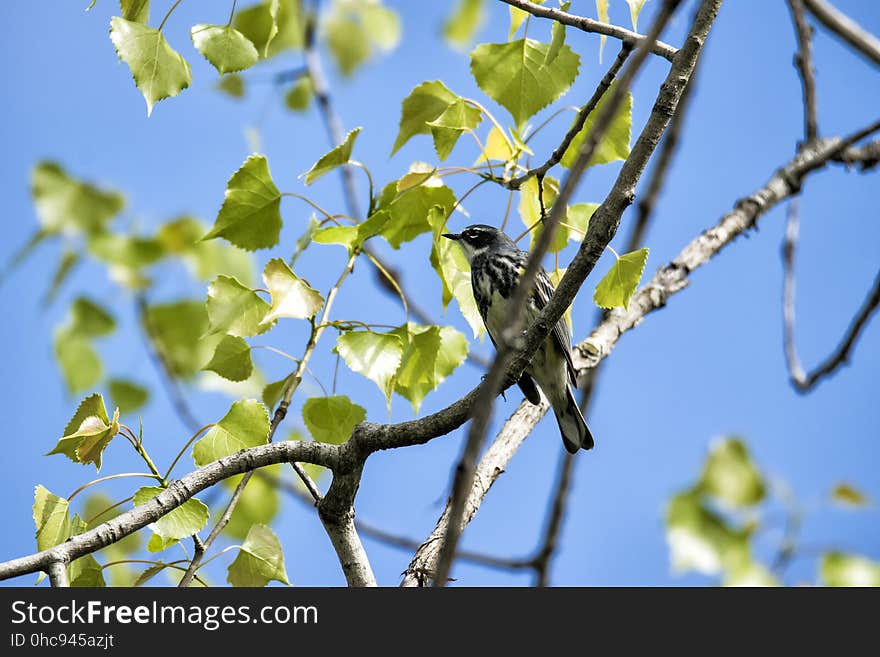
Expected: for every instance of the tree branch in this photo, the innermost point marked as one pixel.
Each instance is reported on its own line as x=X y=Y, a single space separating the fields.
x=846 y=28
x=802 y=381
x=520 y=354
x=803 y=60
x=58 y=575
x=632 y=39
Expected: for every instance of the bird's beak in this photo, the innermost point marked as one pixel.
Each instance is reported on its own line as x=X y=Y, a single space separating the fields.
x=452 y=236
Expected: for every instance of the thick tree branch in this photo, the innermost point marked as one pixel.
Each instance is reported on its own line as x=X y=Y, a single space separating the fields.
x=177 y=493
x=867 y=156
x=58 y=575
x=507 y=348
x=846 y=28
x=800 y=379
x=803 y=60
x=632 y=39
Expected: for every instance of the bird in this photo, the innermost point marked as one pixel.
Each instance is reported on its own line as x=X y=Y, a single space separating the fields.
x=496 y=266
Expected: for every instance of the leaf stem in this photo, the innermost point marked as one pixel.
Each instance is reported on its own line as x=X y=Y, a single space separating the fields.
x=170 y=11
x=108 y=478
x=184 y=448
x=231 y=13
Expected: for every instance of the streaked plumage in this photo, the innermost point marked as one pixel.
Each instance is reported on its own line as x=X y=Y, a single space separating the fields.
x=496 y=265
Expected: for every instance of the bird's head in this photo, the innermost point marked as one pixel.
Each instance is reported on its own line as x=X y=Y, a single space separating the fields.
x=478 y=239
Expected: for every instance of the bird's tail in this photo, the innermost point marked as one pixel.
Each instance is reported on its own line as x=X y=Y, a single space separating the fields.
x=575 y=433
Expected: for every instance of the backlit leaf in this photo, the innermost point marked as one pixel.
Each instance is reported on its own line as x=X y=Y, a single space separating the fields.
x=618 y=286
x=335 y=158
x=128 y=396
x=245 y=425
x=235 y=309
x=65 y=204
x=373 y=355
x=615 y=144
x=227 y=49
x=185 y=520
x=464 y=22
x=232 y=359
x=332 y=419
x=259 y=560
x=291 y=295
x=424 y=104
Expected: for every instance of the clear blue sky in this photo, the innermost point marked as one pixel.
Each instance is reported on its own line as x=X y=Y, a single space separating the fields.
x=709 y=364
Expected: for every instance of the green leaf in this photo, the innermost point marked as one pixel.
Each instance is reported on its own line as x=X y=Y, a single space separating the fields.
x=69 y=260
x=416 y=376
x=458 y=117
x=182 y=236
x=353 y=30
x=135 y=10
x=65 y=204
x=185 y=520
x=449 y=262
x=89 y=319
x=291 y=296
x=259 y=24
x=557 y=39
x=235 y=309
x=158 y=70
x=51 y=518
x=273 y=392
x=530 y=210
x=373 y=355
x=602 y=11
x=731 y=476
x=79 y=362
x=128 y=250
x=158 y=543
x=347 y=236
x=299 y=96
x=176 y=330
x=259 y=560
x=227 y=49
x=462 y=26
x=578 y=216
x=332 y=419
x=381 y=24
x=245 y=425
x=250 y=216
x=453 y=350
x=335 y=158
x=848 y=495
x=751 y=575
x=128 y=396
x=517 y=17
x=635 y=8
x=515 y=75
x=86 y=572
x=88 y=433
x=496 y=147
x=258 y=504
x=700 y=540
x=424 y=104
x=615 y=144
x=555 y=275
x=409 y=210
x=618 y=286
x=232 y=85
x=232 y=359
x=841 y=569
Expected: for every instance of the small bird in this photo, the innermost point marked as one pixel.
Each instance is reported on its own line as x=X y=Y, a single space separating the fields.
x=496 y=265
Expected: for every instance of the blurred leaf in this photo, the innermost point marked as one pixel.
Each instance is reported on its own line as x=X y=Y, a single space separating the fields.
x=250 y=217
x=602 y=11
x=232 y=359
x=79 y=362
x=841 y=569
x=353 y=29
x=245 y=425
x=615 y=143
x=158 y=70
x=517 y=17
x=465 y=21
x=618 y=286
x=373 y=355
x=127 y=395
x=177 y=329
x=635 y=8
x=182 y=236
x=700 y=540
x=291 y=296
x=69 y=260
x=515 y=75
x=847 y=495
x=65 y=204
x=128 y=250
x=235 y=309
x=335 y=158
x=259 y=560
x=227 y=49
x=232 y=85
x=731 y=476
x=258 y=504
x=185 y=520
x=751 y=575
x=299 y=96
x=332 y=419
x=88 y=433
x=89 y=319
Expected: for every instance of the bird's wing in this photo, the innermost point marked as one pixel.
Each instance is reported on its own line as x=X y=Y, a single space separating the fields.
x=543 y=291
x=526 y=383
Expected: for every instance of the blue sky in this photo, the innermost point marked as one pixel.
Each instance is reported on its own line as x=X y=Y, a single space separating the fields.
x=709 y=364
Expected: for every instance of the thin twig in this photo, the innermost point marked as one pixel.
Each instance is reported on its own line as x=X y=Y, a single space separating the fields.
x=803 y=60
x=846 y=28
x=596 y=27
x=800 y=379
